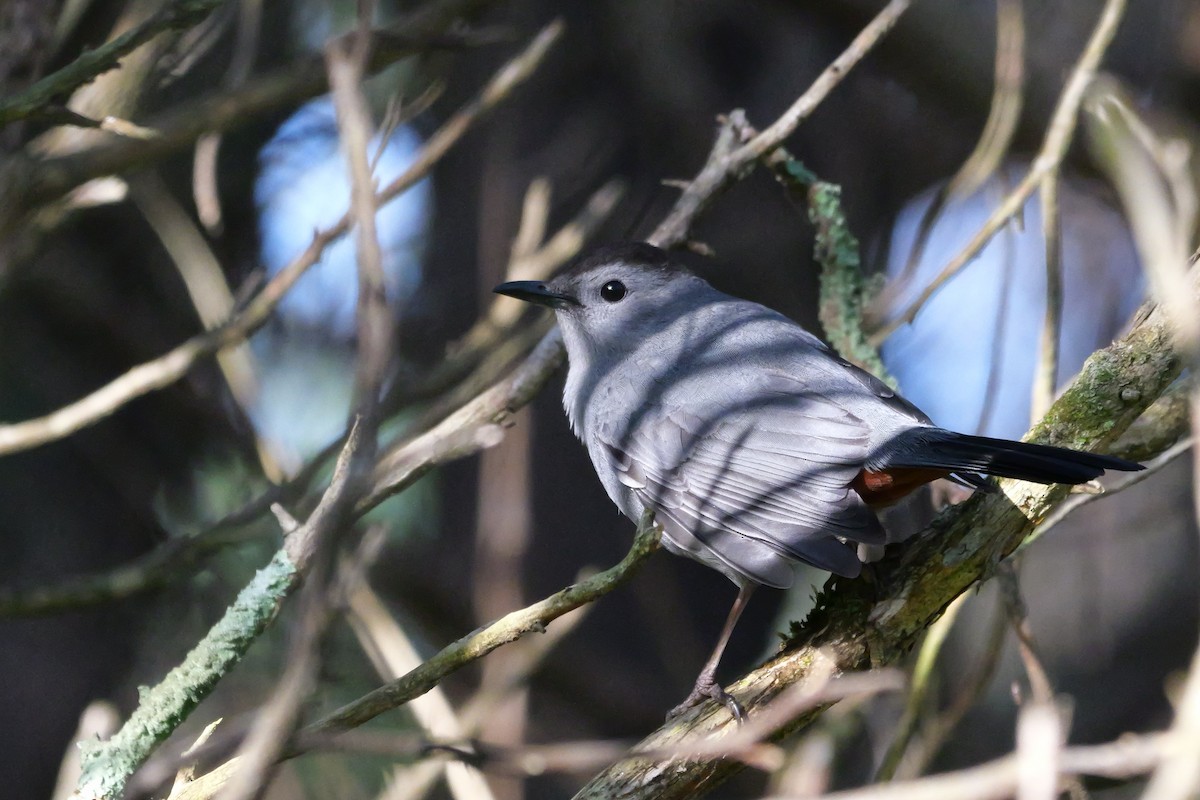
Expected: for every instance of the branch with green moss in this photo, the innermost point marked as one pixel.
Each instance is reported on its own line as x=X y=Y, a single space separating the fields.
x=867 y=625
x=455 y=656
x=843 y=286
x=177 y=15
x=106 y=766
x=845 y=291
x=29 y=182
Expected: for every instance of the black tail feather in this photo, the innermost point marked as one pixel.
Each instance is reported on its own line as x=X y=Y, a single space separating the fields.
x=1039 y=463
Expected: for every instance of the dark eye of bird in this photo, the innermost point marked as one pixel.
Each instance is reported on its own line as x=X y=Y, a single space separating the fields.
x=612 y=291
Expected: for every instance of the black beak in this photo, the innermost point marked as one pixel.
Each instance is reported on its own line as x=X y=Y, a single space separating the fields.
x=536 y=292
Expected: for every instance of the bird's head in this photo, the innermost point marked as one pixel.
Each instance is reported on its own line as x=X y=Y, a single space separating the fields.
x=614 y=296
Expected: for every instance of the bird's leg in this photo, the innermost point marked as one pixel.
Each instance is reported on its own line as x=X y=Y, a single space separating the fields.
x=706 y=685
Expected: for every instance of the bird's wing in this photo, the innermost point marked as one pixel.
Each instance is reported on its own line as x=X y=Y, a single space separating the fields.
x=751 y=482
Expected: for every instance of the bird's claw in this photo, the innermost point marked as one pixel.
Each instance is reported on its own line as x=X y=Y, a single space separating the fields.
x=710 y=690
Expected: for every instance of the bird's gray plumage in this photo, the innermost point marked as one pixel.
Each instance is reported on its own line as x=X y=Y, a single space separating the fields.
x=742 y=431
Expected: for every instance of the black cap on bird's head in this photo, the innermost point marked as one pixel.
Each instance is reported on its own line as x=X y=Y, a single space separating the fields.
x=564 y=291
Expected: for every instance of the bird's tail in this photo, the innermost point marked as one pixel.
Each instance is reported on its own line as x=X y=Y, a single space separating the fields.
x=1039 y=463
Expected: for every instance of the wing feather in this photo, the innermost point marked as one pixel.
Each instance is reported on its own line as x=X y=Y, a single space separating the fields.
x=752 y=484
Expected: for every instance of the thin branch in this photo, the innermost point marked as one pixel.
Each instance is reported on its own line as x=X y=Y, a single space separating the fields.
x=458 y=654
x=727 y=162
x=205 y=193
x=938 y=730
x=393 y=653
x=778 y=132
x=1054 y=149
x=1129 y=756
x=1040 y=738
x=176 y=15
x=1018 y=617
x=994 y=141
x=1075 y=501
x=843 y=287
x=169 y=368
x=746 y=744
x=922 y=679
x=1045 y=379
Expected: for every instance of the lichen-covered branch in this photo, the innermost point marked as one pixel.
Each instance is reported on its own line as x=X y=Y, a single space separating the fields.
x=844 y=290
x=107 y=765
x=868 y=625
x=458 y=654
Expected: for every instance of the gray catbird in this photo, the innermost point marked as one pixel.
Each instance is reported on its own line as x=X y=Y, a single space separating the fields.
x=755 y=445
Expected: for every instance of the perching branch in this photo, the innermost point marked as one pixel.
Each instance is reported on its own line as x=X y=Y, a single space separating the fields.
x=871 y=625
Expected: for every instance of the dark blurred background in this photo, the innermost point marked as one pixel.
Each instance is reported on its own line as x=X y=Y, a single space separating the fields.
x=632 y=91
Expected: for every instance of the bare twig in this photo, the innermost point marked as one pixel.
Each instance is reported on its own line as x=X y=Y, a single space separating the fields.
x=167 y=369
x=1178 y=775
x=999 y=780
x=746 y=745
x=938 y=729
x=393 y=653
x=1014 y=604
x=728 y=162
x=208 y=146
x=211 y=296
x=458 y=654
x=922 y=679
x=1054 y=148
x=776 y=133
x=1075 y=501
x=1003 y=115
x=1045 y=379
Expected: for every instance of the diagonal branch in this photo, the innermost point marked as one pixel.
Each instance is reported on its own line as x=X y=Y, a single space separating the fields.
x=170 y=367
x=458 y=654
x=88 y=66
x=1054 y=149
x=868 y=626
x=106 y=766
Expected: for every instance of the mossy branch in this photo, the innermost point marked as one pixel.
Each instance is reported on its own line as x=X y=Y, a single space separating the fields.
x=455 y=656
x=107 y=765
x=93 y=63
x=845 y=292
x=867 y=625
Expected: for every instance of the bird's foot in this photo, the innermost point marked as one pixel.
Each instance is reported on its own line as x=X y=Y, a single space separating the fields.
x=708 y=689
